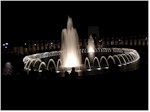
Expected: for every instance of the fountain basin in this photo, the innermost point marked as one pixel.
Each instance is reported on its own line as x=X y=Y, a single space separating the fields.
x=105 y=59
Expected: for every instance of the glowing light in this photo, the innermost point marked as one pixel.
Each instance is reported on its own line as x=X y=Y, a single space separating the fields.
x=6 y=43
x=40 y=70
x=98 y=68
x=71 y=61
x=70 y=55
x=3 y=44
x=119 y=65
x=106 y=67
x=90 y=49
x=91 y=45
x=89 y=69
x=57 y=71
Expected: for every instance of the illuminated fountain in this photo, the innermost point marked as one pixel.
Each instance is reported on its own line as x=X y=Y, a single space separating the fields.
x=91 y=47
x=70 y=56
x=94 y=59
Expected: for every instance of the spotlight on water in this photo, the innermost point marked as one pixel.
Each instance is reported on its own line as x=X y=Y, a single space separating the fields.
x=70 y=56
x=91 y=47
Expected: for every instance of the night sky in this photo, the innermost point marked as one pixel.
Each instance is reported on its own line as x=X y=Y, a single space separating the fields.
x=45 y=20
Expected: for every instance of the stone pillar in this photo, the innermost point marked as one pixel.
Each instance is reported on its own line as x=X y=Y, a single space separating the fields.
x=113 y=41
x=41 y=45
x=107 y=41
x=126 y=41
x=139 y=42
x=116 y=41
x=49 y=45
x=103 y=42
x=131 y=42
x=15 y=50
x=21 y=50
x=26 y=50
x=29 y=46
x=33 y=47
x=135 y=42
x=37 y=46
x=143 y=42
x=45 y=45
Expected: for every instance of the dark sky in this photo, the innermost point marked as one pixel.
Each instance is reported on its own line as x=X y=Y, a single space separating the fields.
x=45 y=20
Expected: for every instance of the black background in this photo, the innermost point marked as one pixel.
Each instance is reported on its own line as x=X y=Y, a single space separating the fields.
x=45 y=20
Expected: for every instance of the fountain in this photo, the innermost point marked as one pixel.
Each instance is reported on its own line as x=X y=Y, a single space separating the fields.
x=91 y=48
x=93 y=60
x=70 y=56
x=91 y=45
